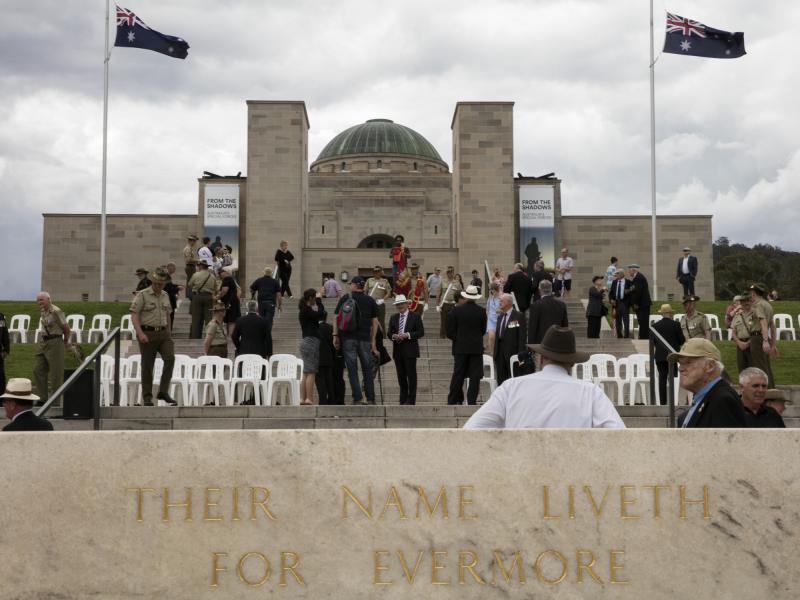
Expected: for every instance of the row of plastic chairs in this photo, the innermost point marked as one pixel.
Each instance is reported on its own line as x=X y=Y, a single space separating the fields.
x=208 y=379
x=100 y=327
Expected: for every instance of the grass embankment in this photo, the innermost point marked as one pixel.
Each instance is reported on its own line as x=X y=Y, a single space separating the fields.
x=88 y=309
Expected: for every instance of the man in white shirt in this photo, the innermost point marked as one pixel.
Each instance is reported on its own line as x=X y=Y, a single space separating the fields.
x=435 y=283
x=551 y=398
x=564 y=266
x=205 y=252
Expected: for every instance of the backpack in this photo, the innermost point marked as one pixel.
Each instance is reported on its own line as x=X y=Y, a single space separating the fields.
x=347 y=317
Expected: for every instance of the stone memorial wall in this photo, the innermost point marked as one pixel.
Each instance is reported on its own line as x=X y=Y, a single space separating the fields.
x=400 y=514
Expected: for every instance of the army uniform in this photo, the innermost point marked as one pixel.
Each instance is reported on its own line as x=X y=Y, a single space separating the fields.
x=762 y=310
x=153 y=311
x=219 y=339
x=448 y=301
x=5 y=348
x=741 y=326
x=380 y=290
x=49 y=365
x=203 y=285
x=696 y=326
x=189 y=259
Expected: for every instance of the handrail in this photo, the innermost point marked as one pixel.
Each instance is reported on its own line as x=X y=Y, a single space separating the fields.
x=114 y=336
x=657 y=337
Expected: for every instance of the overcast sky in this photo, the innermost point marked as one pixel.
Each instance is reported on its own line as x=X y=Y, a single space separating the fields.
x=727 y=130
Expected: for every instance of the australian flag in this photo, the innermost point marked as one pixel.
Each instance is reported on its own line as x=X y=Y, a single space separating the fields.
x=692 y=38
x=133 y=33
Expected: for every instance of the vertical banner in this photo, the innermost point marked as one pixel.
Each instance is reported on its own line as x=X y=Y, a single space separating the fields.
x=221 y=217
x=536 y=225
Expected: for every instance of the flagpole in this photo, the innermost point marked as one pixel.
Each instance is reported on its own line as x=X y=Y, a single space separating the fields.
x=653 y=151
x=107 y=57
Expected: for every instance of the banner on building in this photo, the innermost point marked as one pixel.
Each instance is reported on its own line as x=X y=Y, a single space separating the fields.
x=221 y=216
x=536 y=225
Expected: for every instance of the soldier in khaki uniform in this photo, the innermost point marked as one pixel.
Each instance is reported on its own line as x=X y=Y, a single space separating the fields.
x=763 y=333
x=189 y=259
x=418 y=294
x=379 y=289
x=216 y=333
x=203 y=285
x=694 y=324
x=451 y=292
x=150 y=312
x=49 y=365
x=741 y=326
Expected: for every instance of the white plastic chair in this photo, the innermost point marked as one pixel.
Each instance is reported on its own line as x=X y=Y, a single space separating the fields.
x=783 y=324
x=182 y=374
x=491 y=378
x=106 y=376
x=19 y=326
x=653 y=319
x=606 y=372
x=512 y=362
x=130 y=374
x=247 y=373
x=284 y=368
x=713 y=321
x=126 y=327
x=76 y=324
x=101 y=323
x=638 y=381
x=633 y=323
x=209 y=375
x=679 y=317
x=582 y=371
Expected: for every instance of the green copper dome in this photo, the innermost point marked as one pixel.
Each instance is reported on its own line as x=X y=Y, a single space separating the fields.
x=379 y=136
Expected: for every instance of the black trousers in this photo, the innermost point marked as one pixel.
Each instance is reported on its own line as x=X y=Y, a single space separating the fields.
x=687 y=281
x=663 y=374
x=621 y=321
x=643 y=315
x=466 y=365
x=2 y=376
x=285 y=276
x=407 y=378
x=593 y=327
x=325 y=385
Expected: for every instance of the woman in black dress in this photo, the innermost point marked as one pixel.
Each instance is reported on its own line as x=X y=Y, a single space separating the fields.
x=595 y=308
x=284 y=258
x=311 y=313
x=228 y=294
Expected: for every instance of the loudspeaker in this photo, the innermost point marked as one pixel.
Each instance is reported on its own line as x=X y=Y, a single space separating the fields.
x=78 y=398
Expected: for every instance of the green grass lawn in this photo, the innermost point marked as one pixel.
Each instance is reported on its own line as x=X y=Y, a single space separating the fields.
x=784 y=368
x=21 y=360
x=88 y=309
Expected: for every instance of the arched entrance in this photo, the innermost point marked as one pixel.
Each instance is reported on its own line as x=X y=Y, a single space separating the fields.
x=377 y=240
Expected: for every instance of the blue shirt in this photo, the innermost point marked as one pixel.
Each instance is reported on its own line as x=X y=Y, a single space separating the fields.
x=698 y=397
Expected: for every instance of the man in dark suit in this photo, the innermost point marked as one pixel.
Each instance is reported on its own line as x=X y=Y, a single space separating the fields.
x=545 y=312
x=466 y=325
x=715 y=402
x=619 y=302
x=251 y=334
x=670 y=330
x=405 y=329
x=511 y=337
x=639 y=300
x=686 y=272
x=18 y=402
x=519 y=284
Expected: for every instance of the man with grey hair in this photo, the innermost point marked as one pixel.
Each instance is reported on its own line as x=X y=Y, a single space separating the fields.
x=545 y=312
x=754 y=392
x=510 y=337
x=49 y=358
x=251 y=334
x=715 y=402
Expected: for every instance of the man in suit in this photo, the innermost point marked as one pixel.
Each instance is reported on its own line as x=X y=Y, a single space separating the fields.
x=405 y=329
x=519 y=284
x=18 y=402
x=617 y=295
x=639 y=300
x=545 y=312
x=251 y=334
x=686 y=272
x=511 y=337
x=670 y=330
x=466 y=325
x=539 y=274
x=715 y=402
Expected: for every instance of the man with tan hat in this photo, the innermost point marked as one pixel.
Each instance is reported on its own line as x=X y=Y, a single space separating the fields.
x=378 y=288
x=405 y=329
x=203 y=285
x=763 y=336
x=150 y=312
x=715 y=402
x=777 y=400
x=741 y=326
x=694 y=323
x=466 y=325
x=215 y=342
x=18 y=402
x=670 y=330
x=551 y=397
x=189 y=256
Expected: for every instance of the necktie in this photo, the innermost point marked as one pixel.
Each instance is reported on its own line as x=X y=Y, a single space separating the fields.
x=402 y=328
x=503 y=324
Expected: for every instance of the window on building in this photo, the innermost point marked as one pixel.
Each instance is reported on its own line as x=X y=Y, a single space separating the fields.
x=435 y=230
x=380 y=164
x=415 y=166
x=377 y=240
x=323 y=230
x=344 y=166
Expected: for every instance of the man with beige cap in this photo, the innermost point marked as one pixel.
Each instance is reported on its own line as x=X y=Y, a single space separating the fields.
x=715 y=402
x=18 y=402
x=551 y=398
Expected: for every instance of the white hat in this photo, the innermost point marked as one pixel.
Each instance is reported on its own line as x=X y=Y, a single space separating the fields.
x=400 y=299
x=471 y=293
x=19 y=388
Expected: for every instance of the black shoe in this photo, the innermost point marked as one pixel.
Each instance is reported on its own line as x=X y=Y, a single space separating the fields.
x=147 y=403
x=167 y=398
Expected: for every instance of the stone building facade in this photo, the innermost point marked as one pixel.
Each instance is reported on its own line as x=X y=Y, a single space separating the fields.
x=371 y=182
